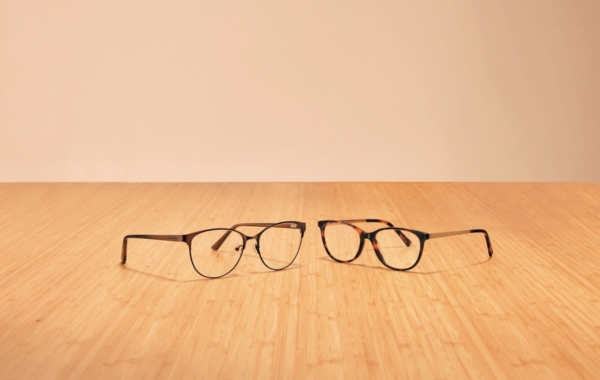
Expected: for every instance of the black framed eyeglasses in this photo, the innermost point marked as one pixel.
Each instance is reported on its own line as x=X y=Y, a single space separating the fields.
x=397 y=248
x=217 y=251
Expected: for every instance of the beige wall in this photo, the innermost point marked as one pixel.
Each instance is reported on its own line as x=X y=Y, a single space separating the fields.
x=299 y=91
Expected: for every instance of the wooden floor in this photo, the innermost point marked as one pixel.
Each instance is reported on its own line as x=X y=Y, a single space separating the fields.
x=69 y=309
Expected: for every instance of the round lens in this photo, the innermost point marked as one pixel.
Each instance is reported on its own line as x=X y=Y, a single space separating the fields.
x=342 y=241
x=400 y=248
x=279 y=245
x=216 y=252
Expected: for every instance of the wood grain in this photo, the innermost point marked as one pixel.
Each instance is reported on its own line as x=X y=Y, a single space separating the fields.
x=68 y=309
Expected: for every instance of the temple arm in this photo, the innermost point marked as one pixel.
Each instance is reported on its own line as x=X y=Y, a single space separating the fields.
x=453 y=233
x=219 y=242
x=152 y=237
x=403 y=237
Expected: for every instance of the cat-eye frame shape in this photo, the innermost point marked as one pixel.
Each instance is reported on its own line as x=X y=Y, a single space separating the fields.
x=397 y=248
x=216 y=252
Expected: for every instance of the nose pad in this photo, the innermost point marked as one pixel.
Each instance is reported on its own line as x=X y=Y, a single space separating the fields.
x=238 y=247
x=256 y=247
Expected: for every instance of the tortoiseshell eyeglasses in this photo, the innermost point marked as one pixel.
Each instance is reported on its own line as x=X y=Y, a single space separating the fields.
x=397 y=248
x=215 y=252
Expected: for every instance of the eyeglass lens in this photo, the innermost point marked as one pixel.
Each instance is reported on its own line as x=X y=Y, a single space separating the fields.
x=394 y=251
x=279 y=245
x=343 y=243
x=216 y=263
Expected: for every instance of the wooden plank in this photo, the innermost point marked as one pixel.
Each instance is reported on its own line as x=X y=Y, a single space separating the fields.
x=69 y=309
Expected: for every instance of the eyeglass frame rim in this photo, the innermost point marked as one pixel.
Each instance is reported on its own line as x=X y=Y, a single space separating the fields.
x=188 y=238
x=423 y=237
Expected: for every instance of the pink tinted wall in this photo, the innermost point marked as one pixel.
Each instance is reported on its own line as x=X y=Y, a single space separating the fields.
x=299 y=91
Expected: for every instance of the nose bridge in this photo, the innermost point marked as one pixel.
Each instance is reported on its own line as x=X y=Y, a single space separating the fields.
x=367 y=236
x=248 y=238
x=371 y=237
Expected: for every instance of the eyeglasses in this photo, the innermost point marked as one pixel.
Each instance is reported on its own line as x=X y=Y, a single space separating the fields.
x=396 y=248
x=215 y=252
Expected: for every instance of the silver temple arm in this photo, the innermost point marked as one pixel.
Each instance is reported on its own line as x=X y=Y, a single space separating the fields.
x=453 y=233
x=444 y=234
